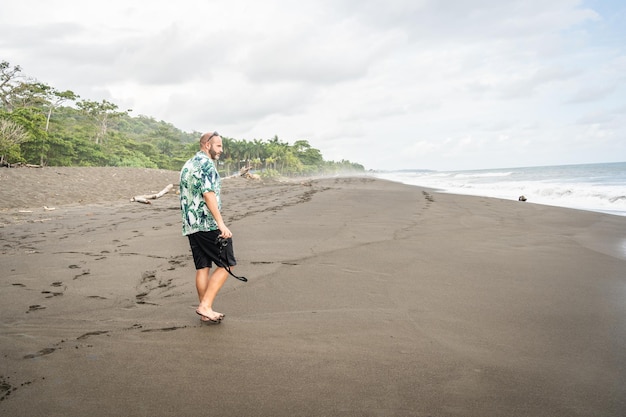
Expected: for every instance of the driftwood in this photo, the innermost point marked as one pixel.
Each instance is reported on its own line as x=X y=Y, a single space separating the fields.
x=145 y=199
x=245 y=172
x=19 y=165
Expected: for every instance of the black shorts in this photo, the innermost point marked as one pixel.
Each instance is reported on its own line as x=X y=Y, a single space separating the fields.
x=206 y=251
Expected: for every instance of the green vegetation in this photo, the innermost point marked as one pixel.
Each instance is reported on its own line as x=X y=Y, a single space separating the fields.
x=40 y=125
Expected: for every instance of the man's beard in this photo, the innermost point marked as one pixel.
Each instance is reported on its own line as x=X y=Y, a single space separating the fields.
x=214 y=155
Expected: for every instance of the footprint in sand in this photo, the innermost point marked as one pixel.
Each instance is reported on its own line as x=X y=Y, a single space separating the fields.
x=35 y=307
x=42 y=352
x=52 y=294
x=163 y=329
x=94 y=333
x=85 y=272
x=176 y=262
x=147 y=276
x=97 y=297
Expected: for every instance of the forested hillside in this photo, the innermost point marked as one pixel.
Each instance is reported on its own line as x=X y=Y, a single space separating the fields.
x=41 y=125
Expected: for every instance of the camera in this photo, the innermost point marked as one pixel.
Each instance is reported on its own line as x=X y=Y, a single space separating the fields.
x=221 y=241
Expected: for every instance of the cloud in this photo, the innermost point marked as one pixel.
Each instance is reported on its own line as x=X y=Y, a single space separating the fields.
x=449 y=83
x=592 y=93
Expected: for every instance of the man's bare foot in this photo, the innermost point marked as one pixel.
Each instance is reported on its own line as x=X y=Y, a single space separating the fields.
x=209 y=315
x=204 y=318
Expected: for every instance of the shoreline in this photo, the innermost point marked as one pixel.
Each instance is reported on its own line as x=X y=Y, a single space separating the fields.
x=591 y=187
x=364 y=296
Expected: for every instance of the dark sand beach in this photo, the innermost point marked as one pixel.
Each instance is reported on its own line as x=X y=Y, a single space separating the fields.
x=365 y=298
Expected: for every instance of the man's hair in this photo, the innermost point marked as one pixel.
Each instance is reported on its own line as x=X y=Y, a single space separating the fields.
x=207 y=137
x=204 y=139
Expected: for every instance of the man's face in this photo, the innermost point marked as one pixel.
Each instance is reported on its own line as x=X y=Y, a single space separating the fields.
x=215 y=148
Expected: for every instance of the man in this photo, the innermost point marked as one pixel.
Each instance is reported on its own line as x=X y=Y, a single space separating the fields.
x=202 y=223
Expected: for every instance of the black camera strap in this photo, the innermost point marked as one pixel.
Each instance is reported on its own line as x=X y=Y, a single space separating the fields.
x=224 y=262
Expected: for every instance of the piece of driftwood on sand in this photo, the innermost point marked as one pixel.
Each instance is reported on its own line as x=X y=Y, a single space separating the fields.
x=245 y=172
x=145 y=199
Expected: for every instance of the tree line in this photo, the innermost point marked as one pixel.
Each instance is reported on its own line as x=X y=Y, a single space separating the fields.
x=41 y=125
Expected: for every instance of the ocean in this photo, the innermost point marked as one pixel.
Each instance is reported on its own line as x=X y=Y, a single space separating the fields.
x=592 y=187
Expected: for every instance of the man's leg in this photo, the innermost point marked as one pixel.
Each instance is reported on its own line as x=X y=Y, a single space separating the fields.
x=202 y=281
x=215 y=282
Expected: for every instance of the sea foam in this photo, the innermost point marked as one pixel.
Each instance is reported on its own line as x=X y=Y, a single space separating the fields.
x=593 y=187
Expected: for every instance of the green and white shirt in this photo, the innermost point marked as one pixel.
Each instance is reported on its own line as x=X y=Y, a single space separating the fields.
x=198 y=176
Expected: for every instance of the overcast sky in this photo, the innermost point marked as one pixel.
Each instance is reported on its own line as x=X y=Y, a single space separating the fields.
x=393 y=84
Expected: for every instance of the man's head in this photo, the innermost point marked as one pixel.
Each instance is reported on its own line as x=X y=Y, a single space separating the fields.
x=211 y=144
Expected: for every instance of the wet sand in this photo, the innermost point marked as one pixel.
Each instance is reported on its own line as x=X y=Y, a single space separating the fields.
x=365 y=298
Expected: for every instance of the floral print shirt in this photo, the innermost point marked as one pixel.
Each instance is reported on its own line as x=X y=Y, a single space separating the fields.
x=198 y=176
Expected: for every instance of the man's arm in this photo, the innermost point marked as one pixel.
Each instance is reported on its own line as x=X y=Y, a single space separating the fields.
x=211 y=202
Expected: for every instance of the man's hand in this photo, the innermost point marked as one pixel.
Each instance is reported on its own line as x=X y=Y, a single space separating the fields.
x=226 y=233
